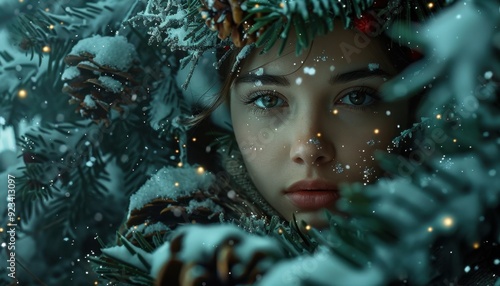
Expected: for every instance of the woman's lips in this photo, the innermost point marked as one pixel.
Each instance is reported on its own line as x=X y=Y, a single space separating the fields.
x=312 y=194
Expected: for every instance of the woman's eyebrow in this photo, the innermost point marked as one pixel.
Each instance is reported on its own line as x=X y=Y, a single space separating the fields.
x=264 y=79
x=358 y=74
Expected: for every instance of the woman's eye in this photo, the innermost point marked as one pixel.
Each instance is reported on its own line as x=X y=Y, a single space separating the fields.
x=268 y=101
x=359 y=98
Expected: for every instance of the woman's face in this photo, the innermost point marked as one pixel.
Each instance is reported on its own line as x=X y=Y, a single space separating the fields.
x=306 y=124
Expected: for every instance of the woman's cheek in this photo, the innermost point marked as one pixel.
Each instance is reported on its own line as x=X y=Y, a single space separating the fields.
x=355 y=149
x=253 y=138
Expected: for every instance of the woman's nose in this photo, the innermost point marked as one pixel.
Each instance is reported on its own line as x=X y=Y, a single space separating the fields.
x=312 y=149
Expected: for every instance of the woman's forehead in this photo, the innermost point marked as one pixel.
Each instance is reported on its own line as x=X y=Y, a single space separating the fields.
x=341 y=49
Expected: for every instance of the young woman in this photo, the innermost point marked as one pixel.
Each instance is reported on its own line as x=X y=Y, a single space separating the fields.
x=305 y=124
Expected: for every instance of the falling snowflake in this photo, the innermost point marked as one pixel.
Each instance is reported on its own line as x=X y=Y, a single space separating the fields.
x=259 y=71
x=338 y=168
x=373 y=66
x=488 y=75
x=448 y=164
x=310 y=70
x=368 y=172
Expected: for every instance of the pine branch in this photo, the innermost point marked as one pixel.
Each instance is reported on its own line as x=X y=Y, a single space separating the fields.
x=137 y=135
x=33 y=31
x=116 y=264
x=34 y=88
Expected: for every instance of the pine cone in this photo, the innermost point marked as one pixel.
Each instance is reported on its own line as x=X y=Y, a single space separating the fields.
x=218 y=255
x=226 y=16
x=98 y=89
x=193 y=208
x=174 y=196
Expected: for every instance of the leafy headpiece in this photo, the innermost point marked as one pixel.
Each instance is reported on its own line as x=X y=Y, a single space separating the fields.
x=196 y=26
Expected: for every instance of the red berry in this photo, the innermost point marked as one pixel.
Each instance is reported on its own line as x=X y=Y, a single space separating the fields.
x=365 y=23
x=415 y=55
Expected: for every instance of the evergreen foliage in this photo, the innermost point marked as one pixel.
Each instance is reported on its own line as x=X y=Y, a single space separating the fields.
x=76 y=175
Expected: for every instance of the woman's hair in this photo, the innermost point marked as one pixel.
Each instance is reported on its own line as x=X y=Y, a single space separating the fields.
x=401 y=57
x=226 y=76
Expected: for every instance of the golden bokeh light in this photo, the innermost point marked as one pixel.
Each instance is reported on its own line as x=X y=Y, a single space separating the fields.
x=200 y=170
x=22 y=93
x=448 y=221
